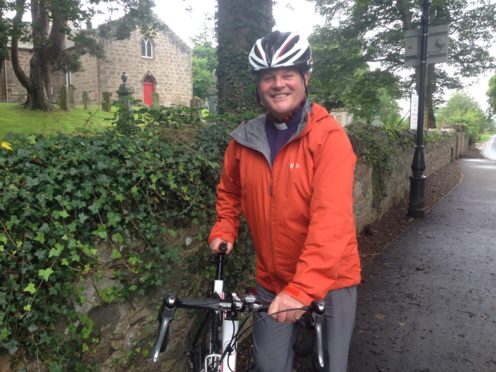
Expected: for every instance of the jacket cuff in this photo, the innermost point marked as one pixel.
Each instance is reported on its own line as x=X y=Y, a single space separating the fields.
x=298 y=294
x=227 y=239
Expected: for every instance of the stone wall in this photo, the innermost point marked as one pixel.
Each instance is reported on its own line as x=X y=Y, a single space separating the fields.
x=11 y=89
x=397 y=184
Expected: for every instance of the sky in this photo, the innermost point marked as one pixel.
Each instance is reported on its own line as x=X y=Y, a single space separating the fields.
x=187 y=18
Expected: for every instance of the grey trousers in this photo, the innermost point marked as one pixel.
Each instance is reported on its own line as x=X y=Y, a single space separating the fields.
x=273 y=341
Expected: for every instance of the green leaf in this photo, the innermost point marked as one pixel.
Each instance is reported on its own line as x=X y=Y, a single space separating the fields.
x=82 y=217
x=30 y=288
x=40 y=237
x=4 y=333
x=45 y=273
x=115 y=254
x=113 y=218
x=101 y=232
x=56 y=251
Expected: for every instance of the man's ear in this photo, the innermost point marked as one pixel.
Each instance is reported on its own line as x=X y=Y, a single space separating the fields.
x=306 y=77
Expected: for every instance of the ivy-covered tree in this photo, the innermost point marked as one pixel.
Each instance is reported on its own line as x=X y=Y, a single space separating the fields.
x=491 y=94
x=380 y=27
x=463 y=110
x=239 y=24
x=53 y=22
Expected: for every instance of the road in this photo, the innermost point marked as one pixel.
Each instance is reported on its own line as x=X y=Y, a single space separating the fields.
x=489 y=149
x=428 y=303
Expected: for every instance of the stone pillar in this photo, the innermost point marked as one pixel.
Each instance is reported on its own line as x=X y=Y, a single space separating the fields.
x=63 y=99
x=71 y=101
x=126 y=123
x=85 y=99
x=125 y=92
x=196 y=106
x=106 y=104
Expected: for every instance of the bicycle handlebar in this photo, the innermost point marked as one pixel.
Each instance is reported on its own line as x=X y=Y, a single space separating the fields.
x=247 y=304
x=233 y=304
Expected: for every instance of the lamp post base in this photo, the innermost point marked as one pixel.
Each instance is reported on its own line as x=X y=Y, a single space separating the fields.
x=417 y=197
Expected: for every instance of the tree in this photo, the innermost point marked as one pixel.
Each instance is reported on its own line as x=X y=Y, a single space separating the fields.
x=380 y=26
x=491 y=93
x=239 y=24
x=204 y=63
x=342 y=78
x=463 y=110
x=53 y=22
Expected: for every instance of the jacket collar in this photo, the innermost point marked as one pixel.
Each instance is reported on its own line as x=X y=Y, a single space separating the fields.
x=252 y=133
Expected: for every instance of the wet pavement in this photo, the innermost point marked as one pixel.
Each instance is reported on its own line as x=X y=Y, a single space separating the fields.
x=428 y=303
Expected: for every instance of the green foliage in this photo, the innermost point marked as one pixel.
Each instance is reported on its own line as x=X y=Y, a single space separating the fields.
x=204 y=63
x=66 y=198
x=342 y=78
x=379 y=27
x=491 y=94
x=239 y=24
x=461 y=109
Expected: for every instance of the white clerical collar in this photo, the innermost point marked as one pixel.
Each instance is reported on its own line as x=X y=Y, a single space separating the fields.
x=280 y=126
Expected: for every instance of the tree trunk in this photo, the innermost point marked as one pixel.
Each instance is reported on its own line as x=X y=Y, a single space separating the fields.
x=14 y=47
x=46 y=49
x=39 y=79
x=239 y=24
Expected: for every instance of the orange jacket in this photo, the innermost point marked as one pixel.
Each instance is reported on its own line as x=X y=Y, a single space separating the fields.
x=299 y=209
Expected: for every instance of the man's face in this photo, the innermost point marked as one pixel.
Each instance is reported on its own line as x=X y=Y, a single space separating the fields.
x=282 y=90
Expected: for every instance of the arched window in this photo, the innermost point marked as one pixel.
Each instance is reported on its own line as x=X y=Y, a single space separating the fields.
x=146 y=48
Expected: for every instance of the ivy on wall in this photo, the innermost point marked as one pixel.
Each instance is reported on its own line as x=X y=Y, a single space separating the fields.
x=64 y=196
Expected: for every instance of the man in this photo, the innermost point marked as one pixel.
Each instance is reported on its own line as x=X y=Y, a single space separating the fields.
x=290 y=172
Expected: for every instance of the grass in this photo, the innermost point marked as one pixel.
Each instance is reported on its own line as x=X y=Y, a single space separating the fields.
x=485 y=136
x=14 y=118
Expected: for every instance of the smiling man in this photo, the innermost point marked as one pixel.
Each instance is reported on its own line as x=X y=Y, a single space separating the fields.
x=290 y=173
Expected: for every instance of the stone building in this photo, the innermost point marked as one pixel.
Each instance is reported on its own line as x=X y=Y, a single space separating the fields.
x=160 y=64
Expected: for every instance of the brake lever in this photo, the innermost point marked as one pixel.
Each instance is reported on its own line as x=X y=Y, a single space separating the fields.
x=318 y=308
x=164 y=317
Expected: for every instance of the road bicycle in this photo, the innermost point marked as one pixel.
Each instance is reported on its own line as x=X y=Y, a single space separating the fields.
x=214 y=349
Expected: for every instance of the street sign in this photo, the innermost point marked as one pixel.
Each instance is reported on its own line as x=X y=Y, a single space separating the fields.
x=414 y=101
x=437 y=45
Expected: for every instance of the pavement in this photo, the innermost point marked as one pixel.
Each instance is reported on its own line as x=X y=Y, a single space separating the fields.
x=428 y=303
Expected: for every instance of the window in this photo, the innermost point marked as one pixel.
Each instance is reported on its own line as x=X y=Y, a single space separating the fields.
x=146 y=48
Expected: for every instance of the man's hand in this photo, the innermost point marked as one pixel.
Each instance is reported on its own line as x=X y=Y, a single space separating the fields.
x=283 y=302
x=214 y=245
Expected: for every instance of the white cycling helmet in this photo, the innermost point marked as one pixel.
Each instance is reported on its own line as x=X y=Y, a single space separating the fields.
x=281 y=49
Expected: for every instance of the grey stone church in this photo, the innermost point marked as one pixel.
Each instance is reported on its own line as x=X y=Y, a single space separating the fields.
x=160 y=64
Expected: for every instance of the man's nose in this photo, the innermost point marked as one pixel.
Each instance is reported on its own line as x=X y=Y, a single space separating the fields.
x=278 y=82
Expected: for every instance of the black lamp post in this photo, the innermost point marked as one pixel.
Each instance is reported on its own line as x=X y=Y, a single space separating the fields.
x=417 y=180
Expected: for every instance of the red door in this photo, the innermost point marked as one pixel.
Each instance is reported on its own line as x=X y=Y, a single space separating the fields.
x=148 y=93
